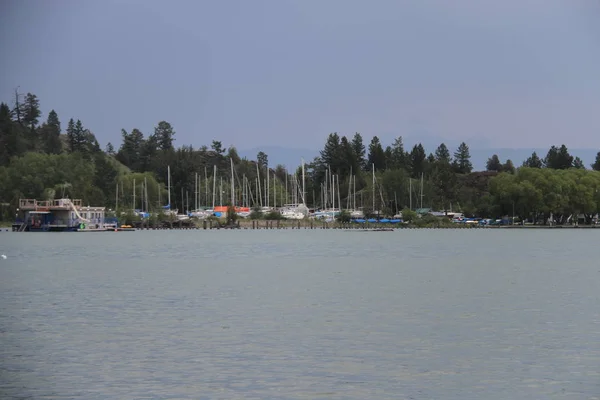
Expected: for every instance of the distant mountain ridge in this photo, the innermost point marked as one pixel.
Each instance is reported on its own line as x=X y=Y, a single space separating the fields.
x=291 y=157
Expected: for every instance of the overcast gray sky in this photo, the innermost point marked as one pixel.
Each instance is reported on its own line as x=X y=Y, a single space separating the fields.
x=250 y=73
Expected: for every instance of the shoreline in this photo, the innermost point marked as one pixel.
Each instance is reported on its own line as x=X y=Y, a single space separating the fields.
x=312 y=224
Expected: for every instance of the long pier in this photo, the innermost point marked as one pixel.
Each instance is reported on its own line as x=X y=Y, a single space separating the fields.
x=284 y=225
x=315 y=224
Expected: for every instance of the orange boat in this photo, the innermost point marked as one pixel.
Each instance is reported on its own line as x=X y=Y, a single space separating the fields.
x=223 y=209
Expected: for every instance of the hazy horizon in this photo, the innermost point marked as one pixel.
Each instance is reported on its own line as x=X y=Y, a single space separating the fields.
x=287 y=73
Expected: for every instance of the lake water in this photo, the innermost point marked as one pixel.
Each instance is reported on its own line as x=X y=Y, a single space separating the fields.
x=301 y=314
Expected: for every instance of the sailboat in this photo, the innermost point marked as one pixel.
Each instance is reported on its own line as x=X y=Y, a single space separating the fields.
x=167 y=209
x=298 y=210
x=354 y=212
x=330 y=195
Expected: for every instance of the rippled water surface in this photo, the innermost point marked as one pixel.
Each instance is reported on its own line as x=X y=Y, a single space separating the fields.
x=419 y=314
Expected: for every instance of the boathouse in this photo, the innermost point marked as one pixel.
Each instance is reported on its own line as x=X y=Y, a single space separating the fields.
x=59 y=215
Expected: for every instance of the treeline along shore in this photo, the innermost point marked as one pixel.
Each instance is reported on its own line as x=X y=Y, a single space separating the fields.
x=44 y=158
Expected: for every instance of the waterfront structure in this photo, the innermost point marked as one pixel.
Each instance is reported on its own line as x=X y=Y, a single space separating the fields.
x=61 y=215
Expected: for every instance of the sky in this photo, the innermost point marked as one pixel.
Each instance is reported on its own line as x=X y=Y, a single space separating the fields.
x=510 y=74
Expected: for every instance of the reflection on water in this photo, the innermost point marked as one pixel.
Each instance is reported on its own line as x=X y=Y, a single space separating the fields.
x=453 y=314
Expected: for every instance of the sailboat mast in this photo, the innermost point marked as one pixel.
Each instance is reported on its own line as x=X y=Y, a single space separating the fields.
x=205 y=186
x=373 y=187
x=214 y=186
x=133 y=194
x=349 y=199
x=338 y=193
x=303 y=187
x=421 y=190
x=142 y=199
x=324 y=189
x=410 y=193
x=243 y=190
x=232 y=185
x=256 y=201
x=354 y=187
x=333 y=194
x=169 y=185
x=258 y=184
x=286 y=187
x=331 y=190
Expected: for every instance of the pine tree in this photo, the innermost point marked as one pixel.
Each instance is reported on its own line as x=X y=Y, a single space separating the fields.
x=359 y=150
x=110 y=149
x=533 y=161
x=494 y=164
x=130 y=153
x=376 y=154
x=91 y=144
x=398 y=155
x=79 y=137
x=578 y=163
x=418 y=160
x=508 y=167
x=389 y=158
x=330 y=156
x=348 y=157
x=71 y=136
x=50 y=134
x=442 y=154
x=31 y=111
x=217 y=147
x=233 y=155
x=31 y=115
x=164 y=135
x=262 y=159
x=558 y=158
x=462 y=159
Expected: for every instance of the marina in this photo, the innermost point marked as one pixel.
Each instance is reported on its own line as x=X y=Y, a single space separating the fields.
x=245 y=211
